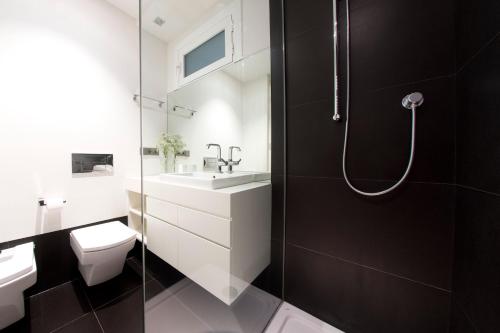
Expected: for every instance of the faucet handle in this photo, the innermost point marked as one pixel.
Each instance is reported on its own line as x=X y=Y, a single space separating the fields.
x=230 y=155
x=212 y=145
x=230 y=159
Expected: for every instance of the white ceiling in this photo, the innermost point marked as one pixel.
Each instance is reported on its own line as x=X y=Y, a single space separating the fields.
x=179 y=15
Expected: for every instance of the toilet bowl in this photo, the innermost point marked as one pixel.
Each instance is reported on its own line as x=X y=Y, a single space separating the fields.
x=17 y=273
x=101 y=250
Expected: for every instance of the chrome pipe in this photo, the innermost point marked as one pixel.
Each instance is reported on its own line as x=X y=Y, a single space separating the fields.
x=336 y=114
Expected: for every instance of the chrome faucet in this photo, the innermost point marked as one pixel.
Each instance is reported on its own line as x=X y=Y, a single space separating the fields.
x=220 y=161
x=230 y=161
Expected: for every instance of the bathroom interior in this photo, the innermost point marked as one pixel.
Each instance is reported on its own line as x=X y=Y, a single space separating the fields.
x=250 y=166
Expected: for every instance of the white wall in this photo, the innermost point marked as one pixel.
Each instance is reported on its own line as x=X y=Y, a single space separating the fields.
x=68 y=72
x=230 y=113
x=154 y=84
x=255 y=121
x=217 y=98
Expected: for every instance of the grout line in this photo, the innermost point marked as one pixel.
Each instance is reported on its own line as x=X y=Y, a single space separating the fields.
x=370 y=268
x=98 y=321
x=479 y=51
x=51 y=288
x=396 y=85
x=117 y=297
x=88 y=298
x=70 y=322
x=270 y=320
x=466 y=315
x=471 y=188
x=375 y=180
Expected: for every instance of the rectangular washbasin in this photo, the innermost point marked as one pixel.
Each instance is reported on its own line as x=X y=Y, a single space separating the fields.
x=214 y=180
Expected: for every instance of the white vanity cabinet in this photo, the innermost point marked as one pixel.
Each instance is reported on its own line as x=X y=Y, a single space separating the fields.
x=220 y=239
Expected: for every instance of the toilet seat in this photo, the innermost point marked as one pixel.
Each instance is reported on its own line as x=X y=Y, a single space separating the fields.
x=102 y=237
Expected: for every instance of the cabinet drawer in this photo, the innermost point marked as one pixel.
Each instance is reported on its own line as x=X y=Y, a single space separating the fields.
x=163 y=240
x=205 y=263
x=208 y=226
x=162 y=210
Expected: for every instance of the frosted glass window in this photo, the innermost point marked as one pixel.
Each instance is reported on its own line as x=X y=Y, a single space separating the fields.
x=205 y=54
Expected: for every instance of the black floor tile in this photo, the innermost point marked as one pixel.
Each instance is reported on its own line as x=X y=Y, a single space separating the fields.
x=357 y=299
x=124 y=314
x=56 y=307
x=105 y=292
x=86 y=324
x=161 y=271
x=136 y=265
x=153 y=288
x=21 y=326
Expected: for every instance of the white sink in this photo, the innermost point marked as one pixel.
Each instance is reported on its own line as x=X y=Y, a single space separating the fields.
x=214 y=180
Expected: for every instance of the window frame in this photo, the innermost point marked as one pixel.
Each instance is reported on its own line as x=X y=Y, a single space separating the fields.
x=194 y=41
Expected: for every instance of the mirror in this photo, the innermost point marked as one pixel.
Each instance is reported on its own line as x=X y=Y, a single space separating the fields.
x=229 y=107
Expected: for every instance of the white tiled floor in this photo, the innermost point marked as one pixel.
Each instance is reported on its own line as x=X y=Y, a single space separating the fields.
x=186 y=307
x=290 y=319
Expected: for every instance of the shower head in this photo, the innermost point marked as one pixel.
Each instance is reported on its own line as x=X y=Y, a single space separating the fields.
x=413 y=100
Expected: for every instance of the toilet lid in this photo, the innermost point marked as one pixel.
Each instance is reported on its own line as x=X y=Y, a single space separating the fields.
x=103 y=236
x=16 y=262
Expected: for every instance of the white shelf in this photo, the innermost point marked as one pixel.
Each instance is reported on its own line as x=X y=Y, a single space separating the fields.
x=138 y=236
x=134 y=211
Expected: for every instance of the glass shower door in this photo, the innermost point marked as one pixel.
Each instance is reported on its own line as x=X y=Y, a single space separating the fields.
x=212 y=248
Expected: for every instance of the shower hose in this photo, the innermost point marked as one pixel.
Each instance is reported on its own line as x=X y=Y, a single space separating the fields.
x=413 y=107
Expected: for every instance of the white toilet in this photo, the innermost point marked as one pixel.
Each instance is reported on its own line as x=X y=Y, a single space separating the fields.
x=17 y=273
x=101 y=250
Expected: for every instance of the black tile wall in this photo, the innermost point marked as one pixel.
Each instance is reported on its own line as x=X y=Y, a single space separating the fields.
x=478 y=118
x=477 y=268
x=400 y=41
x=409 y=233
x=477 y=23
x=476 y=276
x=371 y=264
x=358 y=299
x=271 y=280
x=459 y=322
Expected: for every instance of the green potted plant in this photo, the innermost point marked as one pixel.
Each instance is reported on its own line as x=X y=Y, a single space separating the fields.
x=170 y=145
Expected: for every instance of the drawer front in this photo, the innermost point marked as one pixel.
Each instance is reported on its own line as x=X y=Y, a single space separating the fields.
x=163 y=240
x=208 y=226
x=205 y=263
x=162 y=210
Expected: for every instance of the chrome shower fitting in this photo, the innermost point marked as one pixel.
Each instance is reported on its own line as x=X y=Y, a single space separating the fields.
x=413 y=100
